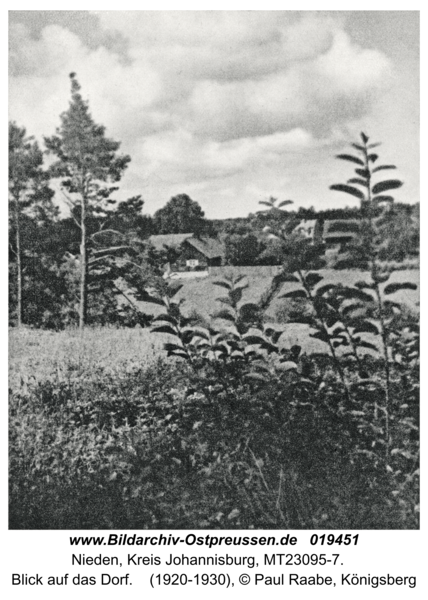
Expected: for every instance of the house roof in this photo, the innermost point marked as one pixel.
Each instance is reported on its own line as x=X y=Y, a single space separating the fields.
x=341 y=228
x=171 y=240
x=209 y=247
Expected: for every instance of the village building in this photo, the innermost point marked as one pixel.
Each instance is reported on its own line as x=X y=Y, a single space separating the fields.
x=336 y=234
x=339 y=233
x=195 y=253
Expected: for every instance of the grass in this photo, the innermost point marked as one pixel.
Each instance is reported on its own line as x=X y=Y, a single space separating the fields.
x=39 y=354
x=199 y=295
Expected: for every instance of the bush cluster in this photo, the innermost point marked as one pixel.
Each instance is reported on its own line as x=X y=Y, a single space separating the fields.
x=216 y=442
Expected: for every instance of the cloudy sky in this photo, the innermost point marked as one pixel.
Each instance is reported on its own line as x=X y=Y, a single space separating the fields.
x=230 y=107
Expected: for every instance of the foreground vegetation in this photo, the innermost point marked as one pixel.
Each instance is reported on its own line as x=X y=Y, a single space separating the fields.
x=156 y=447
x=244 y=432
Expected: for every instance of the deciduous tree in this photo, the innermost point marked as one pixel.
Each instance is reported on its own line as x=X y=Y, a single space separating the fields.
x=180 y=215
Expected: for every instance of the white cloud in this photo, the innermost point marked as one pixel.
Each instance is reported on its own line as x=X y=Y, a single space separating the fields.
x=205 y=97
x=39 y=86
x=336 y=85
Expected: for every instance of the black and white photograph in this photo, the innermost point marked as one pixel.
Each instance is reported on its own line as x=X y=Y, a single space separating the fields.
x=214 y=270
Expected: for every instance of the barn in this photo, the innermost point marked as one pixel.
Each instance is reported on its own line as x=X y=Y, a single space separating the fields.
x=340 y=233
x=196 y=253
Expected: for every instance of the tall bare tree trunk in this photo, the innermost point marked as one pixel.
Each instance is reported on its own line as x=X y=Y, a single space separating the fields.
x=83 y=270
x=18 y=265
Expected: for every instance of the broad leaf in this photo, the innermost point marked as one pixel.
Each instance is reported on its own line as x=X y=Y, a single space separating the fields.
x=313 y=278
x=348 y=189
x=187 y=336
x=363 y=173
x=255 y=339
x=145 y=297
x=320 y=335
x=164 y=329
x=273 y=334
x=238 y=279
x=223 y=284
x=356 y=294
x=220 y=348
x=383 y=168
x=304 y=319
x=361 y=285
x=369 y=345
x=178 y=354
x=165 y=317
x=225 y=300
x=224 y=314
x=351 y=158
x=331 y=317
x=325 y=288
x=390 y=305
x=358 y=181
x=236 y=295
x=294 y=294
x=342 y=341
x=173 y=289
x=289 y=277
x=373 y=157
x=383 y=186
x=202 y=344
x=173 y=347
x=391 y=288
x=249 y=307
x=338 y=329
x=364 y=326
x=285 y=203
x=364 y=137
x=381 y=277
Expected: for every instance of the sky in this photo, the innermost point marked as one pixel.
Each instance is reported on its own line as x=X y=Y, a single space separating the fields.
x=229 y=107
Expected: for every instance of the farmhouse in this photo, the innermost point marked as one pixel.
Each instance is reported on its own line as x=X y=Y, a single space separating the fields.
x=340 y=233
x=195 y=252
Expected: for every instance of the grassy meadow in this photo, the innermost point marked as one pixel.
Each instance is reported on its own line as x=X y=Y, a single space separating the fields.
x=35 y=355
x=38 y=354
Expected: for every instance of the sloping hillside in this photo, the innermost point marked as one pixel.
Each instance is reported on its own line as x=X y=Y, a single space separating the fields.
x=199 y=295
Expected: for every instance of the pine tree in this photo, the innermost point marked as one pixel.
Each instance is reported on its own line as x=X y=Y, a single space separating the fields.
x=29 y=195
x=87 y=165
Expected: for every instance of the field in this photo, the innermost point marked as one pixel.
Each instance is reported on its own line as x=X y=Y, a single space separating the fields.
x=35 y=354
x=106 y=431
